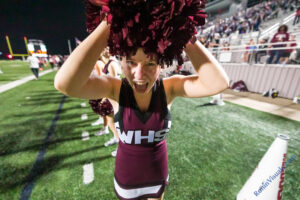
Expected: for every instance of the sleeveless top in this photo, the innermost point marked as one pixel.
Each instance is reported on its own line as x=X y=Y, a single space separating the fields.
x=105 y=69
x=141 y=168
x=144 y=129
x=100 y=107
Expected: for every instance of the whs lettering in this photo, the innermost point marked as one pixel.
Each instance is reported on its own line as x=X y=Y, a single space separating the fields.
x=136 y=137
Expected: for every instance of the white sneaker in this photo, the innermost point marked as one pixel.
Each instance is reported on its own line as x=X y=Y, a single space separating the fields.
x=110 y=142
x=114 y=153
x=98 y=122
x=103 y=131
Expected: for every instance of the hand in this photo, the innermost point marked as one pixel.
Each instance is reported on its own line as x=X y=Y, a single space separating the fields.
x=193 y=39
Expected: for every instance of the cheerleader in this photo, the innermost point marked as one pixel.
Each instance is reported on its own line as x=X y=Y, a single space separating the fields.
x=103 y=107
x=146 y=35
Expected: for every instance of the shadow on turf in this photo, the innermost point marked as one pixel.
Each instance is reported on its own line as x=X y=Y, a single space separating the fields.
x=14 y=143
x=44 y=101
x=205 y=104
x=41 y=116
x=46 y=80
x=39 y=143
x=46 y=166
x=46 y=91
x=65 y=116
x=45 y=96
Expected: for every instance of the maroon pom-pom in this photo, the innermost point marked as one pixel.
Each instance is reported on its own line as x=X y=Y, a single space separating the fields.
x=161 y=27
x=101 y=107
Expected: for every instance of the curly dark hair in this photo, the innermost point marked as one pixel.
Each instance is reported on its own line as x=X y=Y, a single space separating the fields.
x=285 y=27
x=160 y=27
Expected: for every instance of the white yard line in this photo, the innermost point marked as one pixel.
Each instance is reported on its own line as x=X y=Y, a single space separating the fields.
x=85 y=136
x=84 y=117
x=16 y=83
x=88 y=173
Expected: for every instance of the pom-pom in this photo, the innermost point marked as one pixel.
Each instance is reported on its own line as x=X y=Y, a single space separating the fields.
x=101 y=107
x=161 y=27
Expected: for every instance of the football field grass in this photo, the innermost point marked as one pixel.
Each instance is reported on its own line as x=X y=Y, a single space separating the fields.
x=212 y=150
x=14 y=70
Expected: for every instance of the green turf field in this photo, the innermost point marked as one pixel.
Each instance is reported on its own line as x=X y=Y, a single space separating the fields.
x=212 y=150
x=14 y=70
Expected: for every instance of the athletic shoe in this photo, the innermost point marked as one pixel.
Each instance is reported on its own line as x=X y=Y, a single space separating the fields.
x=98 y=122
x=103 y=131
x=110 y=142
x=114 y=153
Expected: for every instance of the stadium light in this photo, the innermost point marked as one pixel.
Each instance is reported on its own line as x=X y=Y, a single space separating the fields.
x=9 y=56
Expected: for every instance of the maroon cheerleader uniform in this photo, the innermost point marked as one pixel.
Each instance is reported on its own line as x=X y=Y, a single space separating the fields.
x=100 y=107
x=141 y=168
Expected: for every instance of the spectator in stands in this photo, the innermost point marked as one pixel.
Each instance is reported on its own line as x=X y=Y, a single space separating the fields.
x=287 y=52
x=297 y=16
x=243 y=26
x=245 y=21
x=284 y=5
x=260 y=53
x=274 y=13
x=258 y=19
x=295 y=57
x=250 y=51
x=292 y=5
x=225 y=46
x=204 y=41
x=215 y=44
x=281 y=36
x=176 y=70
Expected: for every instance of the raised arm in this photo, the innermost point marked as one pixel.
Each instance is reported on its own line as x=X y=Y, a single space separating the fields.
x=74 y=78
x=210 y=78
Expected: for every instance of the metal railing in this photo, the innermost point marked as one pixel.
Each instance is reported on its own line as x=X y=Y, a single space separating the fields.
x=235 y=53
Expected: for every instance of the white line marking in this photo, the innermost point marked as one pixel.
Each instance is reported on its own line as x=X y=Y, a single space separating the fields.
x=83 y=105
x=16 y=83
x=84 y=117
x=85 y=135
x=27 y=97
x=88 y=173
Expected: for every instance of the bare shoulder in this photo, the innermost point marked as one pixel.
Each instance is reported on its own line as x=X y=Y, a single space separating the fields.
x=100 y=65
x=103 y=86
x=116 y=85
x=169 y=84
x=114 y=65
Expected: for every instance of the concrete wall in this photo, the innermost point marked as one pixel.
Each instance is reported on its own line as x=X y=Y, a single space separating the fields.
x=260 y=78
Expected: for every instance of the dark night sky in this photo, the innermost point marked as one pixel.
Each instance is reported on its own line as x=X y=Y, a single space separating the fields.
x=53 y=21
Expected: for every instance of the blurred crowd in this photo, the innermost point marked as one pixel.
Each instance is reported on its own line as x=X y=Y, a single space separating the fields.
x=248 y=20
x=216 y=33
x=283 y=54
x=55 y=61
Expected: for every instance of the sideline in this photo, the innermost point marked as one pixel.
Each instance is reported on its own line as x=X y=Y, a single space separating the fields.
x=279 y=106
x=35 y=170
x=284 y=108
x=16 y=83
